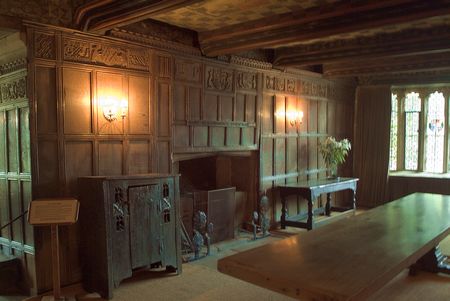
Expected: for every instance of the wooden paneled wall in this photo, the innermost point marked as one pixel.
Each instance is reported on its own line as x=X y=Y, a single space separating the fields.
x=215 y=107
x=290 y=152
x=180 y=106
x=15 y=169
x=70 y=78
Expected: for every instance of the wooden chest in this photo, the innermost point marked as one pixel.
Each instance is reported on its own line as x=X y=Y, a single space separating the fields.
x=127 y=222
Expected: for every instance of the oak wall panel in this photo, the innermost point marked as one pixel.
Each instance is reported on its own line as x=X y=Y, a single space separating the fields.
x=226 y=108
x=3 y=151
x=24 y=134
x=180 y=136
x=217 y=136
x=16 y=209
x=210 y=106
x=164 y=165
x=4 y=208
x=110 y=158
x=77 y=101
x=179 y=102
x=78 y=163
x=139 y=105
x=48 y=173
x=164 y=118
x=139 y=157
x=200 y=136
x=12 y=145
x=45 y=77
x=195 y=100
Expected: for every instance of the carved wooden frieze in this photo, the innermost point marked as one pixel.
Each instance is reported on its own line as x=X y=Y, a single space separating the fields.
x=310 y=88
x=76 y=50
x=290 y=85
x=219 y=79
x=44 y=46
x=138 y=59
x=15 y=65
x=13 y=90
x=275 y=83
x=246 y=80
x=108 y=55
x=187 y=71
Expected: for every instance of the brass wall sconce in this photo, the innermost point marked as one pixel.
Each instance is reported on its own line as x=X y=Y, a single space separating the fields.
x=113 y=108
x=294 y=117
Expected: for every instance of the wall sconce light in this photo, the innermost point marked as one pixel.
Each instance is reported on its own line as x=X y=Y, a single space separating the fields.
x=112 y=108
x=294 y=117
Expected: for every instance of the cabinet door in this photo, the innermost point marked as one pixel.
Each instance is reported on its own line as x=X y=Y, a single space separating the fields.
x=168 y=224
x=155 y=223
x=140 y=229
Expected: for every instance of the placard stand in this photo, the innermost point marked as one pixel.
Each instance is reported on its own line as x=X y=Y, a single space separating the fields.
x=54 y=212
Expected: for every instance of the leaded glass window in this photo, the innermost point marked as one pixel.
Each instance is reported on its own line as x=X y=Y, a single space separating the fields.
x=412 y=110
x=394 y=134
x=434 y=133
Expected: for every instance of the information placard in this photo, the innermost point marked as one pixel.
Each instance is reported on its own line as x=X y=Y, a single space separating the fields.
x=53 y=211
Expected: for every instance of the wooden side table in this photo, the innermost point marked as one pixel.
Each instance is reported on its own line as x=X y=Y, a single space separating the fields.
x=311 y=190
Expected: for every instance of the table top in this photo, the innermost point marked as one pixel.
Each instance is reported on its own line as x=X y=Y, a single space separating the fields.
x=351 y=258
x=318 y=183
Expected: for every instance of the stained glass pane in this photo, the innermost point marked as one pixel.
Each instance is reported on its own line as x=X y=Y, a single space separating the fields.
x=394 y=134
x=434 y=135
x=412 y=109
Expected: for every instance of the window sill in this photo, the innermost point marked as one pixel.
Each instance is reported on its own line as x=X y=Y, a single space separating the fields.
x=413 y=174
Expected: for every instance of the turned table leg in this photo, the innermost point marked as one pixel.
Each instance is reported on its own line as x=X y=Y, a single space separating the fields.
x=283 y=212
x=328 y=205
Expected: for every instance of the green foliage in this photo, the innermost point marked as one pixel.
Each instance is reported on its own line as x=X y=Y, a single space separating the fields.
x=334 y=152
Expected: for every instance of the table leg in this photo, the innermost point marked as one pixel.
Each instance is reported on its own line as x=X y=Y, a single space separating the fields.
x=283 y=212
x=353 y=199
x=328 y=205
x=310 y=214
x=434 y=262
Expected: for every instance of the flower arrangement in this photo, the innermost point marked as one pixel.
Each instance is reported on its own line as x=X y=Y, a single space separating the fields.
x=334 y=152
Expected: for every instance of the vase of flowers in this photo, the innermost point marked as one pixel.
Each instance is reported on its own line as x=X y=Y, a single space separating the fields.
x=334 y=153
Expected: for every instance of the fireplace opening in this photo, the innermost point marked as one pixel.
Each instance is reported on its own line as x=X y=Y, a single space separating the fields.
x=224 y=186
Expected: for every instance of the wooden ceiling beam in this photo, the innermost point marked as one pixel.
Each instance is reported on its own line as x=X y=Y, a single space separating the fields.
x=385 y=65
x=102 y=17
x=318 y=23
x=411 y=41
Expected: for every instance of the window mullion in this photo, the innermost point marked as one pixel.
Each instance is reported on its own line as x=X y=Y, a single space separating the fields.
x=401 y=131
x=422 y=128
x=446 y=129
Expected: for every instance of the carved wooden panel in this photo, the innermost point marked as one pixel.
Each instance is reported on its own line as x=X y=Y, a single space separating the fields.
x=44 y=45
x=77 y=101
x=187 y=71
x=164 y=66
x=110 y=158
x=139 y=157
x=3 y=152
x=219 y=79
x=106 y=54
x=78 y=162
x=139 y=105
x=45 y=77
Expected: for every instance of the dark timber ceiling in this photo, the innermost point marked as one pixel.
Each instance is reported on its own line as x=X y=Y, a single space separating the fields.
x=347 y=38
